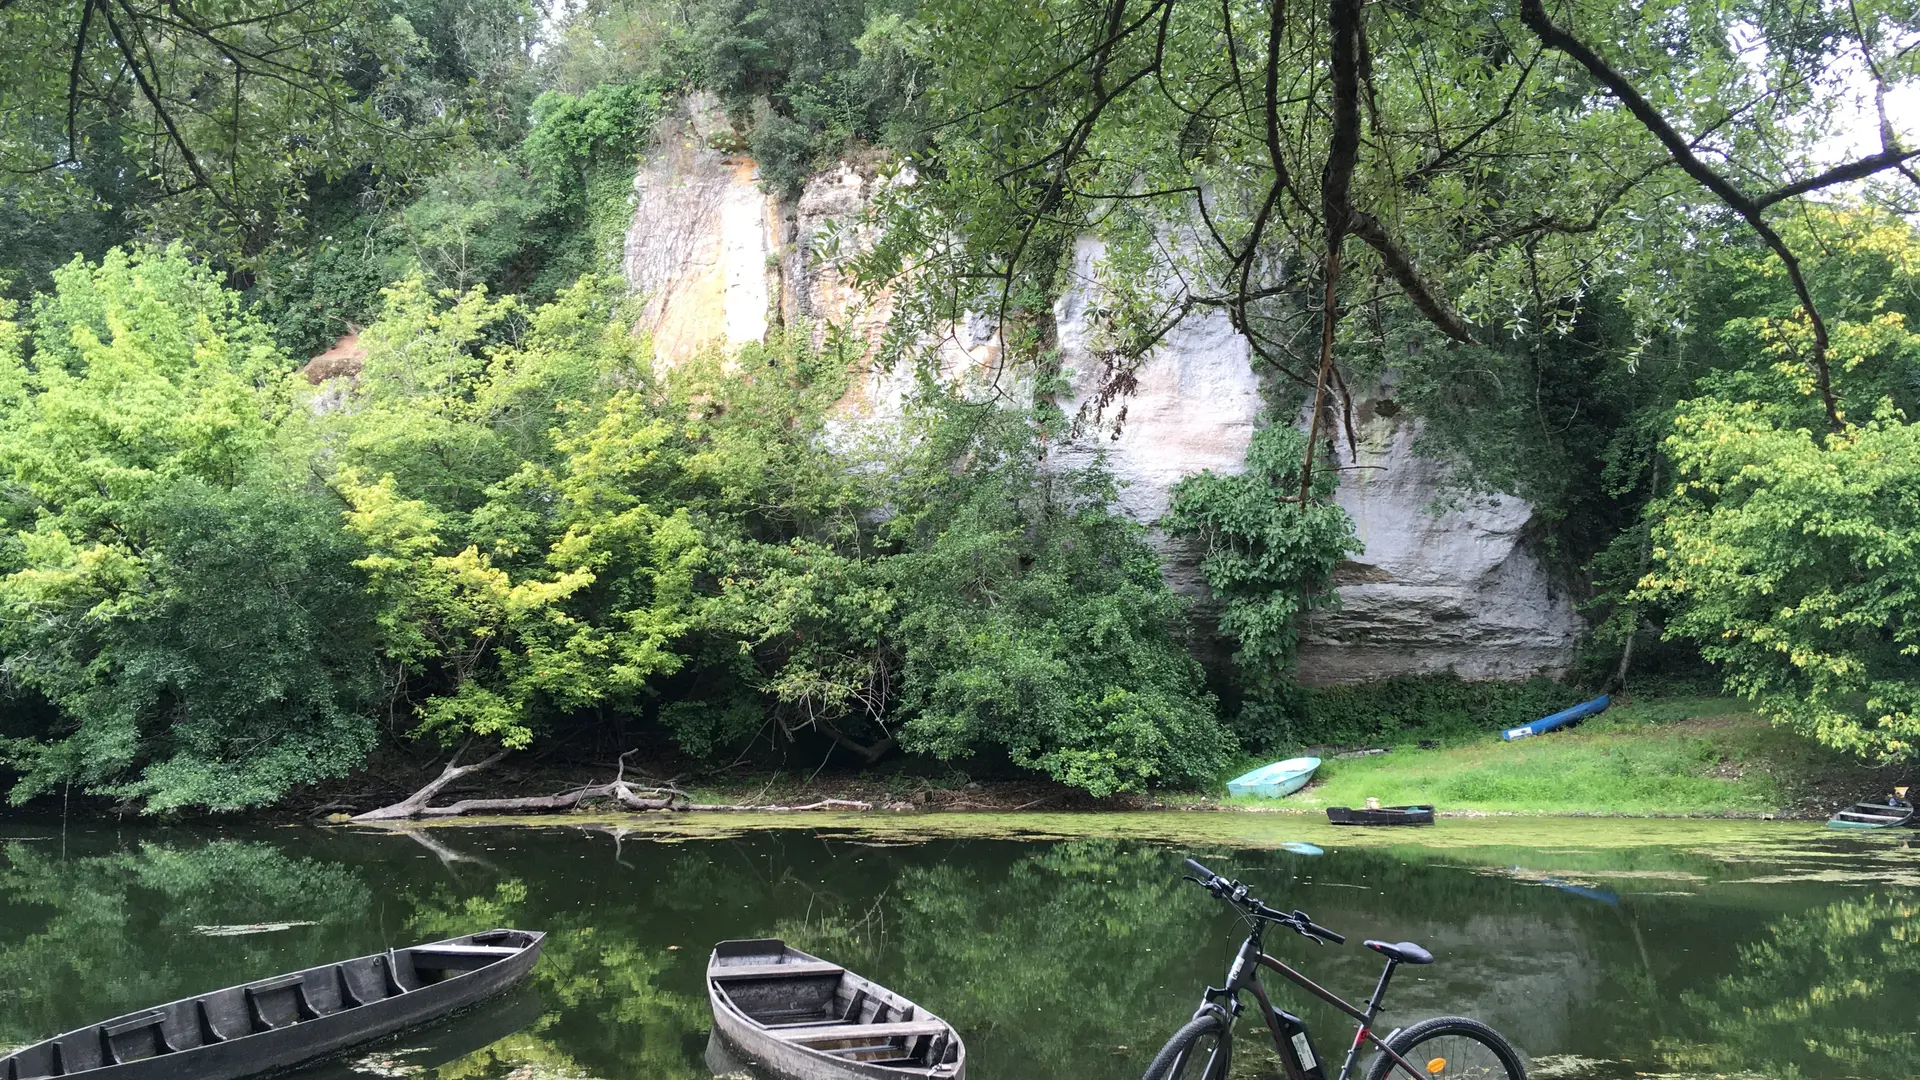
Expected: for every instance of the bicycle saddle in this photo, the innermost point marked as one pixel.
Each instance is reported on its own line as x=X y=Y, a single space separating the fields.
x=1406 y=952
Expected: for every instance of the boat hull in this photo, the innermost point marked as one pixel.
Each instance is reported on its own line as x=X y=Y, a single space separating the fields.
x=1560 y=719
x=740 y=1042
x=1275 y=781
x=277 y=1024
x=1887 y=814
x=1385 y=815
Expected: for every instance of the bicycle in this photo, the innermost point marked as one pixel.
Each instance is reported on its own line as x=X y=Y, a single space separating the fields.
x=1440 y=1048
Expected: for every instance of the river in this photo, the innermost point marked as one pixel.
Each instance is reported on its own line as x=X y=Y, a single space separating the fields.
x=1060 y=946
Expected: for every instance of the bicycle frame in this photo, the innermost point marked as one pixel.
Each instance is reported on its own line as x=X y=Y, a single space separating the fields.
x=1245 y=975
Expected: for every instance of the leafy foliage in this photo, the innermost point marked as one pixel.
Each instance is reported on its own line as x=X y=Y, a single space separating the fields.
x=805 y=80
x=1784 y=553
x=143 y=482
x=944 y=589
x=1788 y=557
x=1268 y=560
x=227 y=109
x=1390 y=711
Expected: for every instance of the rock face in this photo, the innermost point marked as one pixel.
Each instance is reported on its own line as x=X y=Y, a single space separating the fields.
x=1458 y=588
x=720 y=261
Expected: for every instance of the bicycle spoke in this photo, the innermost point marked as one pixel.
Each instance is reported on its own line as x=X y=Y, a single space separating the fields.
x=1456 y=1057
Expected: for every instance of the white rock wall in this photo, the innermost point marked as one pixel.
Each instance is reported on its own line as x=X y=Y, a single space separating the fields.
x=1456 y=589
x=719 y=260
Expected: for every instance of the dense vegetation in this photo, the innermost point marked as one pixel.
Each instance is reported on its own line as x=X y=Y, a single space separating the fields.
x=1606 y=255
x=219 y=586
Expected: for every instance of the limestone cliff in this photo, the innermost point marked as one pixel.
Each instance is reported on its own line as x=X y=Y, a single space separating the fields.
x=720 y=261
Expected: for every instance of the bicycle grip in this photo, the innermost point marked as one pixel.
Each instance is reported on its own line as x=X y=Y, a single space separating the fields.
x=1206 y=876
x=1320 y=931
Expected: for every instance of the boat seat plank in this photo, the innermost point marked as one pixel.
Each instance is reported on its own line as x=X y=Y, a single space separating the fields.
x=775 y=971
x=462 y=950
x=871 y=1032
x=268 y=986
x=134 y=1023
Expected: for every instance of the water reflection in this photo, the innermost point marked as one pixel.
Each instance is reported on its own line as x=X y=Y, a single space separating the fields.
x=1820 y=993
x=1055 y=958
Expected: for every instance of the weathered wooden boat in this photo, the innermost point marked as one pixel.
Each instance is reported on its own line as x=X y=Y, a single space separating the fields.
x=278 y=1023
x=1888 y=813
x=793 y=1016
x=1380 y=815
x=1560 y=719
x=1276 y=780
x=419 y=1051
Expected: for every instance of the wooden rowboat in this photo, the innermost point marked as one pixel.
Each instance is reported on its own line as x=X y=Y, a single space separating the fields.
x=1380 y=815
x=288 y=1020
x=796 y=1017
x=1875 y=814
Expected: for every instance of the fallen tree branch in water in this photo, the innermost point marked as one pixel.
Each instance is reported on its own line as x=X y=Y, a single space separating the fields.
x=823 y=804
x=627 y=796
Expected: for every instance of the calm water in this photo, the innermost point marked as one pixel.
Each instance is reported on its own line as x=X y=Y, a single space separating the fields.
x=1602 y=949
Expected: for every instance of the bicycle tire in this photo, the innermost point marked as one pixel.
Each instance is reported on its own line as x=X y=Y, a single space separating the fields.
x=1175 y=1061
x=1467 y=1050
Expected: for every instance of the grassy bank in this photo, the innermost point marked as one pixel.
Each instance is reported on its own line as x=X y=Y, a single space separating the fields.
x=1669 y=757
x=1679 y=756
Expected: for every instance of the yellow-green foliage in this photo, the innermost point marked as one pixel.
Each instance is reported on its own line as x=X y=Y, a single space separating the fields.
x=1787 y=549
x=513 y=519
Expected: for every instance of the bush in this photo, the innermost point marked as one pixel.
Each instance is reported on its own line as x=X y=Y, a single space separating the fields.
x=175 y=588
x=1424 y=706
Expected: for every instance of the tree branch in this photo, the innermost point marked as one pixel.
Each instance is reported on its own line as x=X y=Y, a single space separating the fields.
x=1534 y=14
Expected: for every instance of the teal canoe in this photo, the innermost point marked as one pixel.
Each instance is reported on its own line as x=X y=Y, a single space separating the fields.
x=1273 y=781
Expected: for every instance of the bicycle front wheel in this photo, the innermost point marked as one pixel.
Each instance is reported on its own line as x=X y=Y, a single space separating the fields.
x=1199 y=1051
x=1449 y=1048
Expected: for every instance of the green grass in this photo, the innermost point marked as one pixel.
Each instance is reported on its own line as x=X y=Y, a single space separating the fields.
x=1668 y=756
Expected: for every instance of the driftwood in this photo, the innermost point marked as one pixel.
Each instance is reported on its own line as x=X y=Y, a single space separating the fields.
x=823 y=804
x=628 y=796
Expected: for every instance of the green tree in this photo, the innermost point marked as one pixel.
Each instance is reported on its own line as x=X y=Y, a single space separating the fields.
x=1268 y=560
x=1448 y=179
x=229 y=107
x=495 y=462
x=1783 y=549
x=143 y=481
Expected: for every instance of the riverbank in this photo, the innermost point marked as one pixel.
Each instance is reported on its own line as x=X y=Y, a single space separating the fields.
x=1671 y=758
x=1667 y=757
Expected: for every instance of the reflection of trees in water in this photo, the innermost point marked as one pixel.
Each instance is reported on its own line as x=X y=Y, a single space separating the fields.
x=1823 y=991
x=525 y=1056
x=92 y=936
x=1057 y=957
x=604 y=981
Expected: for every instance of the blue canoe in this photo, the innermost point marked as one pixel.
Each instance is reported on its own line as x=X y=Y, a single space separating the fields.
x=1560 y=719
x=1275 y=780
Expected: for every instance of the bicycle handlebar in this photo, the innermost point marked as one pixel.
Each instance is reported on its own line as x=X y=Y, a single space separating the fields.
x=1235 y=893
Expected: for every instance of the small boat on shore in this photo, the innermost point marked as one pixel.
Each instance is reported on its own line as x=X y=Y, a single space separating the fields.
x=278 y=1023
x=793 y=1016
x=1276 y=780
x=1380 y=815
x=1892 y=812
x=1558 y=720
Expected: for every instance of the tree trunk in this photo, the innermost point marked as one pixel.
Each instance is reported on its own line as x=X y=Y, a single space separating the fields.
x=1619 y=680
x=414 y=804
x=628 y=796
